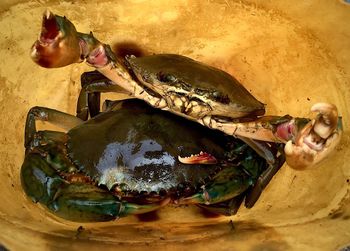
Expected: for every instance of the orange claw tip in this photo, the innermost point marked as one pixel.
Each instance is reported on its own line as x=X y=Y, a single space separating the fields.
x=201 y=158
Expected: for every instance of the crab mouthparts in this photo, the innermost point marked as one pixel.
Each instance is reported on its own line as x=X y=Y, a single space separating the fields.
x=50 y=29
x=201 y=158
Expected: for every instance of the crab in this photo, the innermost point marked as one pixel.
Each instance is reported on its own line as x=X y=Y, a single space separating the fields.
x=125 y=161
x=193 y=90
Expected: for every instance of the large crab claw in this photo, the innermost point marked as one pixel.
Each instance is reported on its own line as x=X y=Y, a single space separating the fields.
x=316 y=139
x=58 y=42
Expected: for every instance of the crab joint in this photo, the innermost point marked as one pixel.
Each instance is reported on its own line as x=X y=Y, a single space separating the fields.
x=201 y=158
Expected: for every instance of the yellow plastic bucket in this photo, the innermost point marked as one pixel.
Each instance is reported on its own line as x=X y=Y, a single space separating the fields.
x=289 y=54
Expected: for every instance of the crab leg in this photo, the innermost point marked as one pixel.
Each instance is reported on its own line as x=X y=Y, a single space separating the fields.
x=80 y=202
x=92 y=85
x=307 y=141
x=264 y=179
x=227 y=184
x=64 y=120
x=232 y=181
x=59 y=38
x=59 y=44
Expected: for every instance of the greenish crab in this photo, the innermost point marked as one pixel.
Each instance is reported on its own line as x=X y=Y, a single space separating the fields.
x=126 y=161
x=192 y=90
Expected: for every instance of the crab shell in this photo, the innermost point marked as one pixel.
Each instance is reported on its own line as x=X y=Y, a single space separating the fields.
x=136 y=148
x=195 y=88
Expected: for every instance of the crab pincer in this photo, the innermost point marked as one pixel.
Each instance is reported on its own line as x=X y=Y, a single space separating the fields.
x=317 y=139
x=201 y=158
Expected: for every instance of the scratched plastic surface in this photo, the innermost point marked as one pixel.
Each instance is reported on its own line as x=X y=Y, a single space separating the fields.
x=289 y=55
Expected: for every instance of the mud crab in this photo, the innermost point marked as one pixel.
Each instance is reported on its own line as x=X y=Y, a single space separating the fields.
x=109 y=167
x=192 y=90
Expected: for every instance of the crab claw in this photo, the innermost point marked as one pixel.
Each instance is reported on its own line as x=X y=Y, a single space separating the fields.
x=327 y=119
x=201 y=158
x=58 y=42
x=316 y=139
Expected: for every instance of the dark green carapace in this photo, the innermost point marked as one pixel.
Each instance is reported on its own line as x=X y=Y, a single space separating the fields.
x=125 y=161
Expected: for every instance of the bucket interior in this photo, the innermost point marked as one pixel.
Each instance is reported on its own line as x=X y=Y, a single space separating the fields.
x=289 y=55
